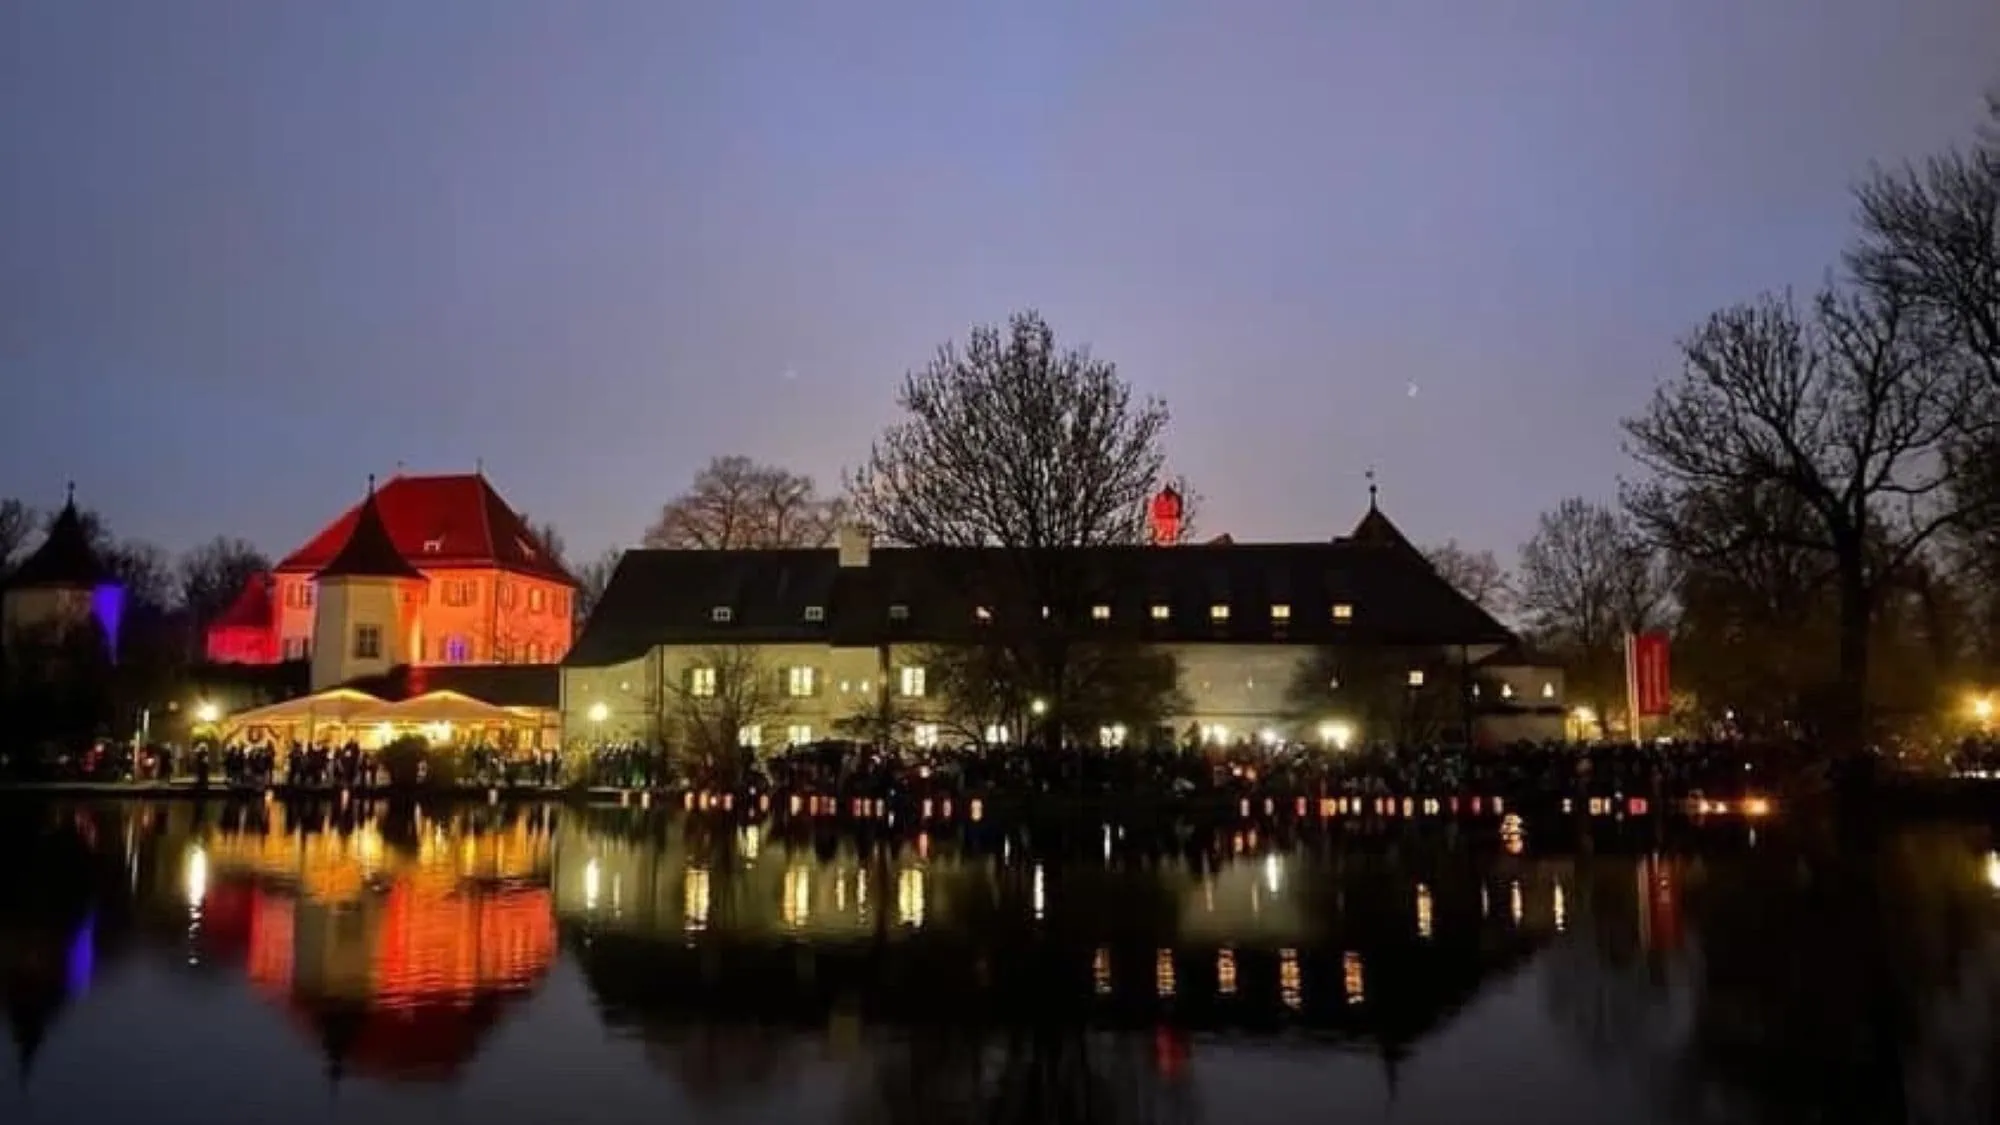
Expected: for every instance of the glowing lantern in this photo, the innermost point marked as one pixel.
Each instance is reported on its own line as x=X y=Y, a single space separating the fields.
x=1165 y=517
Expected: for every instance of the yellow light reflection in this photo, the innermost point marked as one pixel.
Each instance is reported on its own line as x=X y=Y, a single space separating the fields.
x=1352 y=978
x=1291 y=989
x=1561 y=906
x=1163 y=972
x=798 y=897
x=195 y=877
x=1423 y=911
x=1225 y=972
x=910 y=897
x=694 y=894
x=1993 y=870
x=1516 y=902
x=1041 y=899
x=1100 y=971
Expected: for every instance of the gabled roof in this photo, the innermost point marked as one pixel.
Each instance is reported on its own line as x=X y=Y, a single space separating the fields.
x=65 y=558
x=1377 y=530
x=368 y=551
x=455 y=520
x=252 y=609
x=931 y=595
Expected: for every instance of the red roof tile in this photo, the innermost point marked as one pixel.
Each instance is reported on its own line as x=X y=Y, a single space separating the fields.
x=252 y=609
x=440 y=521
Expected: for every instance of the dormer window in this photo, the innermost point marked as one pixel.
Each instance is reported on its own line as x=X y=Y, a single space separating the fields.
x=1506 y=691
x=527 y=548
x=899 y=612
x=1343 y=612
x=815 y=613
x=1548 y=691
x=434 y=545
x=722 y=615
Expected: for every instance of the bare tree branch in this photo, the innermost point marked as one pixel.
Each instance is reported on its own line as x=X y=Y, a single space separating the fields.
x=736 y=503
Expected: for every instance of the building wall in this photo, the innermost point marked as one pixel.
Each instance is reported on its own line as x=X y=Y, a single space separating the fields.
x=1235 y=692
x=466 y=616
x=346 y=605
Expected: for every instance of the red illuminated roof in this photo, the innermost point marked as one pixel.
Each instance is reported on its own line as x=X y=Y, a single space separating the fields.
x=252 y=608
x=440 y=521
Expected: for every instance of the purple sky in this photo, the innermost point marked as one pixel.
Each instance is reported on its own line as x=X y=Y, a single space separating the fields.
x=252 y=251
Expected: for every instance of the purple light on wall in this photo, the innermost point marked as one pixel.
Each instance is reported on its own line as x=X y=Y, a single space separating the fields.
x=107 y=604
x=82 y=961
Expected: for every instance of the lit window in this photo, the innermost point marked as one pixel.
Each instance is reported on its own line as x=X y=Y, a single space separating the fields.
x=996 y=734
x=367 y=642
x=798 y=734
x=1548 y=691
x=1281 y=613
x=1112 y=736
x=982 y=615
x=927 y=735
x=750 y=737
x=1506 y=691
x=536 y=597
x=1100 y=613
x=722 y=615
x=1045 y=613
x=701 y=682
x=912 y=683
x=1343 y=612
x=899 y=612
x=1215 y=734
x=1161 y=612
x=297 y=648
x=815 y=613
x=1416 y=677
x=800 y=682
x=1218 y=612
x=534 y=652
x=457 y=650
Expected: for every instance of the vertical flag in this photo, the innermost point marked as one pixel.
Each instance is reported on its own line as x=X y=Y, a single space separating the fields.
x=1648 y=690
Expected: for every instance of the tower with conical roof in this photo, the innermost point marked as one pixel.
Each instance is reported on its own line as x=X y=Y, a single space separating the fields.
x=365 y=616
x=64 y=585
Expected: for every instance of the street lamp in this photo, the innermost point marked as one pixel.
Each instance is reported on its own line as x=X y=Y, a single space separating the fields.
x=1039 y=707
x=205 y=711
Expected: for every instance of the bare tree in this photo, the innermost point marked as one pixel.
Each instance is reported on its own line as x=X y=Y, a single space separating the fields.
x=1850 y=410
x=1013 y=444
x=591 y=580
x=211 y=576
x=1476 y=574
x=724 y=690
x=17 y=528
x=1586 y=579
x=736 y=503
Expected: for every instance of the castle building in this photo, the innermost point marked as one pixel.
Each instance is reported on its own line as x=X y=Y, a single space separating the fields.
x=61 y=587
x=466 y=579
x=1272 y=642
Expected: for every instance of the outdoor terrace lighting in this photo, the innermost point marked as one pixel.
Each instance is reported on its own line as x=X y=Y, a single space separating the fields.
x=205 y=711
x=1982 y=708
x=1039 y=707
x=1336 y=734
x=599 y=712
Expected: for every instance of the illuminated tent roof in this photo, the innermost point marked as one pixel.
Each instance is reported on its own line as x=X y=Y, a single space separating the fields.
x=338 y=705
x=442 y=707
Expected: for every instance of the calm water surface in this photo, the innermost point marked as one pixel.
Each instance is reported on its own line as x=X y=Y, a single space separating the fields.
x=226 y=963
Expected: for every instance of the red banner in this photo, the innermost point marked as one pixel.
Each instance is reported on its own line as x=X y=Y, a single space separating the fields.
x=1646 y=667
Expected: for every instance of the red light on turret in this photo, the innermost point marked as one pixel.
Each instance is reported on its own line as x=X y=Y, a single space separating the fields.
x=1165 y=517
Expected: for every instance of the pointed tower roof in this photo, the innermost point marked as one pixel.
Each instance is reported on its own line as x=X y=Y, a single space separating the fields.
x=1376 y=529
x=368 y=552
x=66 y=557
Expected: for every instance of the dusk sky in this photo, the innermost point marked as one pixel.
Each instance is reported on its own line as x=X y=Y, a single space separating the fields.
x=251 y=252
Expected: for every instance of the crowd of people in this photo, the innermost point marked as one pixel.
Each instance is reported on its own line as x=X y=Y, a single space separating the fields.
x=1519 y=770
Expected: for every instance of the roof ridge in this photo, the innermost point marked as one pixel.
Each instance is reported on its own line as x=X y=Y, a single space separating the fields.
x=486 y=492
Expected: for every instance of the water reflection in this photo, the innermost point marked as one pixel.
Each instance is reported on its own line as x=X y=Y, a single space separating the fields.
x=807 y=975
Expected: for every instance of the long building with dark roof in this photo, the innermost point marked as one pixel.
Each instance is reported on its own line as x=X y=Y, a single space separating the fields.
x=842 y=631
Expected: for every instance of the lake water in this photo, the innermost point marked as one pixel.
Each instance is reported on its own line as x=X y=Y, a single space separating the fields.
x=242 y=962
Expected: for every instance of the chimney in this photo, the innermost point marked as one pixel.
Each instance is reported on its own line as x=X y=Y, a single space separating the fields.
x=853 y=546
